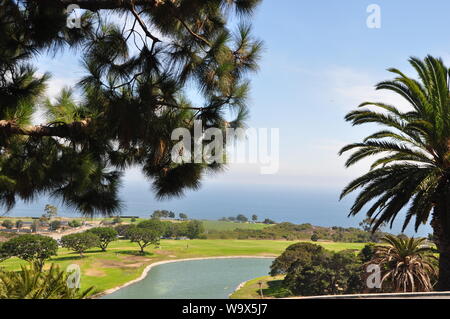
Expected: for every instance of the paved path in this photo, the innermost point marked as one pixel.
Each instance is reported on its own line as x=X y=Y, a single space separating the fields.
x=72 y=231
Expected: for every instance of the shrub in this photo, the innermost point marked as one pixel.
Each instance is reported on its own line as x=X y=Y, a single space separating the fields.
x=74 y=223
x=194 y=229
x=33 y=283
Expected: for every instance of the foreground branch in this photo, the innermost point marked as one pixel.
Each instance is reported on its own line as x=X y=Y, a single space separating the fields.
x=63 y=130
x=142 y=24
x=109 y=4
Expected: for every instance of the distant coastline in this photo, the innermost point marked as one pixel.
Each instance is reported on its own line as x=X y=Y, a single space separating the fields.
x=211 y=202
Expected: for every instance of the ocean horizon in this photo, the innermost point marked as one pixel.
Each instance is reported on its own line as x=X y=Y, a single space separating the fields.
x=320 y=207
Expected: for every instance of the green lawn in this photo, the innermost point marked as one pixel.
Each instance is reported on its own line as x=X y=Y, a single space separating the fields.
x=223 y=225
x=122 y=263
x=271 y=288
x=208 y=224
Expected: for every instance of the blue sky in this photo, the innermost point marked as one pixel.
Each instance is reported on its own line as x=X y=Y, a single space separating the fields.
x=320 y=61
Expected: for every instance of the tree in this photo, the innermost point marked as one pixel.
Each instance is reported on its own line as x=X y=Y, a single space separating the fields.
x=32 y=248
x=122 y=230
x=33 y=283
x=406 y=264
x=105 y=234
x=295 y=252
x=366 y=225
x=174 y=230
x=367 y=253
x=8 y=224
x=314 y=237
x=254 y=218
x=35 y=226
x=194 y=229
x=143 y=237
x=183 y=216
x=414 y=169
x=158 y=214
x=19 y=224
x=326 y=273
x=153 y=224
x=80 y=242
x=268 y=221
x=241 y=218
x=132 y=95
x=368 y=222
x=55 y=225
x=50 y=211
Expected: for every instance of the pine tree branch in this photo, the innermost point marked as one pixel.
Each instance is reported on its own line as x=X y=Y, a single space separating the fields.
x=115 y=4
x=142 y=24
x=186 y=26
x=109 y=4
x=195 y=35
x=64 y=130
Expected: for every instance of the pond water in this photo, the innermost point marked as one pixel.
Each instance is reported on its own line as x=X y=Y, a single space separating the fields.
x=195 y=279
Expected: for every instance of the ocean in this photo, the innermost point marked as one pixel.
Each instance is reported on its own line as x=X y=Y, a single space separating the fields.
x=319 y=207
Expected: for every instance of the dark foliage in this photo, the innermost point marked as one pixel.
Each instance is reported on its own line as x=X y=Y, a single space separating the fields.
x=129 y=101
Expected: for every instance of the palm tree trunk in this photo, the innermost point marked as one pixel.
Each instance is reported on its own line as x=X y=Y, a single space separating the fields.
x=444 y=270
x=441 y=232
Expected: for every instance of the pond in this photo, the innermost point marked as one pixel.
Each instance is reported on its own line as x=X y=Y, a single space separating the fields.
x=195 y=279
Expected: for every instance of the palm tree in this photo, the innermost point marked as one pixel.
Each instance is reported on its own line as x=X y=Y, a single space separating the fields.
x=32 y=283
x=407 y=265
x=413 y=170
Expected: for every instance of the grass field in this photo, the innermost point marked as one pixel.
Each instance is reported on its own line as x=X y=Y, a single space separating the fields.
x=271 y=288
x=122 y=263
x=208 y=224
x=223 y=225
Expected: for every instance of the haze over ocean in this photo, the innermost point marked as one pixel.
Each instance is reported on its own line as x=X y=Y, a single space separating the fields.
x=281 y=203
